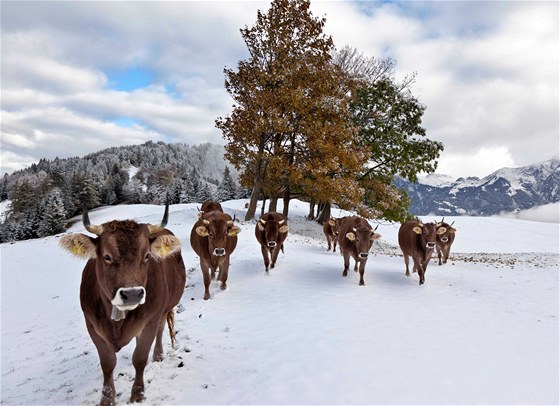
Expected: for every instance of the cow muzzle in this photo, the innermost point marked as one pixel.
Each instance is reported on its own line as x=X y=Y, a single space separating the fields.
x=271 y=244
x=444 y=239
x=363 y=255
x=129 y=298
x=219 y=252
x=430 y=245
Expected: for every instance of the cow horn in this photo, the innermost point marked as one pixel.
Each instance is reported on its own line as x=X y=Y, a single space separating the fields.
x=262 y=221
x=205 y=222
x=281 y=222
x=354 y=229
x=155 y=228
x=451 y=224
x=375 y=229
x=94 y=229
x=230 y=223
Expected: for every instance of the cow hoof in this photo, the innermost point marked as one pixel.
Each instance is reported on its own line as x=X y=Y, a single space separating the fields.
x=223 y=286
x=206 y=296
x=157 y=357
x=345 y=273
x=421 y=282
x=272 y=265
x=362 y=284
x=137 y=394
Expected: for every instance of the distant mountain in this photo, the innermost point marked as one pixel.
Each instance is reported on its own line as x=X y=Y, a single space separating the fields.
x=506 y=190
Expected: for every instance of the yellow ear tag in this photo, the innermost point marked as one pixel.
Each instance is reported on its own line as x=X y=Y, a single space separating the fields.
x=78 y=249
x=164 y=249
x=233 y=233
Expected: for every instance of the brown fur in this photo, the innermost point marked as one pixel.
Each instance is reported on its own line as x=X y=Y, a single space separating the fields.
x=210 y=205
x=330 y=229
x=415 y=245
x=122 y=257
x=444 y=247
x=268 y=230
x=355 y=238
x=221 y=234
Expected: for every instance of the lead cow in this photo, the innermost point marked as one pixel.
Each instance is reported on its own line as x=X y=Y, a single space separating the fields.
x=355 y=238
x=418 y=240
x=214 y=238
x=271 y=232
x=133 y=278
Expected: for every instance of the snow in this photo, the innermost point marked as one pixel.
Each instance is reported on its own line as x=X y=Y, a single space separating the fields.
x=436 y=179
x=482 y=330
x=5 y=206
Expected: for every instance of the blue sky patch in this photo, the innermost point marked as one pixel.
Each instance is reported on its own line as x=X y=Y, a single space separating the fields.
x=130 y=79
x=125 y=122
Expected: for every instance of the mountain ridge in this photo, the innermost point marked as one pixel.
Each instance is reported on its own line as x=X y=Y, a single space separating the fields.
x=504 y=190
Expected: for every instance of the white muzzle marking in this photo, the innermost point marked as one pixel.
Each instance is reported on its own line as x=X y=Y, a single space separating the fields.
x=129 y=298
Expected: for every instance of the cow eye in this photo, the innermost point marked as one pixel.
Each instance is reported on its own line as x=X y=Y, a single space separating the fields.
x=107 y=258
x=147 y=257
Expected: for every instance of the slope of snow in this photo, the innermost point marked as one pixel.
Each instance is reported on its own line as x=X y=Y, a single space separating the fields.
x=482 y=330
x=436 y=179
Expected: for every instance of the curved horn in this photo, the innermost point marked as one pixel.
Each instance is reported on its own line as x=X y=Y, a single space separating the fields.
x=451 y=224
x=153 y=228
x=262 y=221
x=281 y=222
x=230 y=223
x=94 y=229
x=375 y=229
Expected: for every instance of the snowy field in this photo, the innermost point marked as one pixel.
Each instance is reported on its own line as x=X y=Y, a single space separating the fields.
x=482 y=330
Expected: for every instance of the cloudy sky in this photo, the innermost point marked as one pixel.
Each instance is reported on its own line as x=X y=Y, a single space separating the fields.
x=81 y=76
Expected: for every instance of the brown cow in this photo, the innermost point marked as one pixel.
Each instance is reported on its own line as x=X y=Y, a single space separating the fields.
x=210 y=205
x=355 y=238
x=444 y=241
x=133 y=278
x=330 y=229
x=271 y=232
x=418 y=241
x=213 y=238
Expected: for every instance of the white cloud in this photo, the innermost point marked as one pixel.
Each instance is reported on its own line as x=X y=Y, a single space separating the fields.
x=487 y=72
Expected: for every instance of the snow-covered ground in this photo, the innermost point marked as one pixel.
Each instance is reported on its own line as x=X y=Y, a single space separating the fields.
x=482 y=330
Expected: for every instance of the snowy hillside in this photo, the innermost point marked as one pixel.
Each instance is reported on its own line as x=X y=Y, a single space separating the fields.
x=506 y=190
x=482 y=330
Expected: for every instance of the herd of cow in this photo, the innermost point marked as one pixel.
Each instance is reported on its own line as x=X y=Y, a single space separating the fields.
x=135 y=273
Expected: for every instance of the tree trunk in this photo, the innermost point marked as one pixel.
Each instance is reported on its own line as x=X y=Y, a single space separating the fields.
x=253 y=202
x=273 y=204
x=325 y=214
x=311 y=214
x=286 y=202
x=263 y=206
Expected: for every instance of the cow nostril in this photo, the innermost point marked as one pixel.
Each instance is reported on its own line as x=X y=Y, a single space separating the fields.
x=123 y=295
x=272 y=244
x=141 y=294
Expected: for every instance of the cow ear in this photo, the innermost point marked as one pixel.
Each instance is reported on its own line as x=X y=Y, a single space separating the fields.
x=452 y=230
x=79 y=245
x=283 y=229
x=351 y=236
x=332 y=222
x=375 y=236
x=202 y=231
x=441 y=230
x=417 y=230
x=165 y=245
x=200 y=214
x=261 y=227
x=233 y=231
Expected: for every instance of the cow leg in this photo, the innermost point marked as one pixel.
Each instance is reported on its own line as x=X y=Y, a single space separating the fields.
x=265 y=257
x=334 y=245
x=224 y=268
x=140 y=359
x=362 y=270
x=329 y=242
x=446 y=254
x=158 y=347
x=439 y=255
x=206 y=276
x=108 y=361
x=275 y=253
x=406 y=261
x=346 y=256
x=418 y=266
x=356 y=262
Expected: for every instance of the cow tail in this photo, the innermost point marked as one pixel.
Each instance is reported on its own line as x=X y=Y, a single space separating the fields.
x=171 y=326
